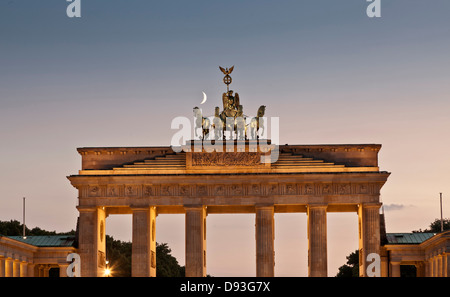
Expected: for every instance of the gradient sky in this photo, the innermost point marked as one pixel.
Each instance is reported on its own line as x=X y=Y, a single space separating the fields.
x=118 y=75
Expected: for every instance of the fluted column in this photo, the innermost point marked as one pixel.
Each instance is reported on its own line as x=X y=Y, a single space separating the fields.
x=446 y=265
x=63 y=270
x=420 y=269
x=9 y=267
x=265 y=236
x=16 y=268
x=369 y=233
x=395 y=269
x=92 y=246
x=195 y=224
x=143 y=259
x=31 y=270
x=317 y=241
x=46 y=270
x=23 y=269
x=430 y=267
x=41 y=270
x=439 y=266
x=435 y=266
x=2 y=266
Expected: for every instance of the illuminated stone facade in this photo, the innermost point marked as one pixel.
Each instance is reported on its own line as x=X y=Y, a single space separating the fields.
x=149 y=181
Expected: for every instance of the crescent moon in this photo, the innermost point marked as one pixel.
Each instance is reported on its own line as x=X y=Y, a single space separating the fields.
x=204 y=98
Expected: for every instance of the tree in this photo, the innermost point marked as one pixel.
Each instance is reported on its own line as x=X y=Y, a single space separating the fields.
x=435 y=227
x=15 y=228
x=351 y=269
x=118 y=252
x=167 y=265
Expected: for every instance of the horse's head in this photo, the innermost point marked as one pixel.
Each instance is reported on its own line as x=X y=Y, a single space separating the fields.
x=197 y=111
x=261 y=110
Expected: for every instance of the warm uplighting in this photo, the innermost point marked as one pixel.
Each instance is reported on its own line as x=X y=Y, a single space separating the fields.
x=107 y=269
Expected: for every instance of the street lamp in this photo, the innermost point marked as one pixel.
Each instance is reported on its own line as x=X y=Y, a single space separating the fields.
x=107 y=270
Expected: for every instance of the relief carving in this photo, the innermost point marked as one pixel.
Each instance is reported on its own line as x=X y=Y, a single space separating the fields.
x=291 y=189
x=130 y=191
x=272 y=189
x=166 y=190
x=101 y=259
x=149 y=191
x=236 y=190
x=94 y=191
x=309 y=189
x=202 y=190
x=153 y=259
x=255 y=189
x=227 y=159
x=343 y=189
x=113 y=191
x=231 y=190
x=219 y=190
x=184 y=190
x=363 y=189
x=327 y=189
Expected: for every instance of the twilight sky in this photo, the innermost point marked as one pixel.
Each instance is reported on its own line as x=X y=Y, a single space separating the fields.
x=118 y=75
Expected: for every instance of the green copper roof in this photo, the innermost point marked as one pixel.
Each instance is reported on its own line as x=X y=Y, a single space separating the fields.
x=47 y=240
x=408 y=238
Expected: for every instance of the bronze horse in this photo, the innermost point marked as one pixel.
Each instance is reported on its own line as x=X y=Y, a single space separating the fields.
x=257 y=123
x=202 y=123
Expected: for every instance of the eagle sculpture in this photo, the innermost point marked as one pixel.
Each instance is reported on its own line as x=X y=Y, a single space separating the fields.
x=227 y=71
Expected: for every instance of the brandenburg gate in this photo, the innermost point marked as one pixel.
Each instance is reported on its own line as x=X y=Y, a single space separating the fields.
x=150 y=181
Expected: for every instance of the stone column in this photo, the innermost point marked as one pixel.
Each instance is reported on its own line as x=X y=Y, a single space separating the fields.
x=369 y=233
x=317 y=241
x=420 y=269
x=447 y=265
x=63 y=270
x=31 y=269
x=41 y=271
x=46 y=270
x=435 y=266
x=92 y=246
x=265 y=236
x=2 y=266
x=195 y=224
x=430 y=267
x=439 y=266
x=395 y=269
x=23 y=269
x=9 y=267
x=143 y=259
x=16 y=268
x=384 y=264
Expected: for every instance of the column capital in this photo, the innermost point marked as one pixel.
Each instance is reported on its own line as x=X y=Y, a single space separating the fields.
x=264 y=206
x=87 y=208
x=371 y=205
x=140 y=208
x=194 y=206
x=316 y=205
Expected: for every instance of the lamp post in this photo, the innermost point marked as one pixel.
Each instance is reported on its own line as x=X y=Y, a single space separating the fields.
x=442 y=220
x=107 y=270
